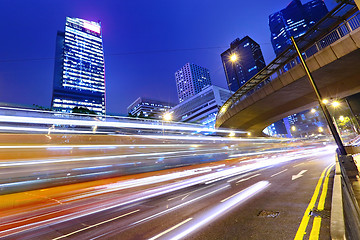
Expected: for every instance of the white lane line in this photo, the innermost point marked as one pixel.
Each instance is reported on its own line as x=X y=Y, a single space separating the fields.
x=298 y=164
x=178 y=206
x=279 y=173
x=222 y=208
x=170 y=229
x=91 y=226
x=245 y=179
x=244 y=175
x=189 y=193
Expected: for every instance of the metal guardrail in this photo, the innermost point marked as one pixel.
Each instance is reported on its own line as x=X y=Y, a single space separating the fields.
x=340 y=22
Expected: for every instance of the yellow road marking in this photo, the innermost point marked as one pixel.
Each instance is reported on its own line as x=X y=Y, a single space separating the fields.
x=305 y=220
x=324 y=191
x=315 y=230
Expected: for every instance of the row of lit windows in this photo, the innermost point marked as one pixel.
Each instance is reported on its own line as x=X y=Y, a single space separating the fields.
x=97 y=80
x=86 y=36
x=88 y=80
x=88 y=46
x=79 y=40
x=97 y=52
x=82 y=71
x=83 y=84
x=85 y=70
x=71 y=52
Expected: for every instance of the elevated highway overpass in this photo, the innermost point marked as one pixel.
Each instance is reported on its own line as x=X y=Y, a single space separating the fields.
x=274 y=93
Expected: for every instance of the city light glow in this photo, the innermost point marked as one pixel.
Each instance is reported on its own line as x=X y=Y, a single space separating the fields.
x=233 y=57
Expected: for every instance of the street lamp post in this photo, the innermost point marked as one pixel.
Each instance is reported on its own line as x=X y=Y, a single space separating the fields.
x=322 y=105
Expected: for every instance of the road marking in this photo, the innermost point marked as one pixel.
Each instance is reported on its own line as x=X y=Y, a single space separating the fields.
x=217 y=211
x=278 y=173
x=298 y=164
x=91 y=226
x=189 y=193
x=178 y=206
x=245 y=175
x=305 y=220
x=315 y=230
x=170 y=229
x=324 y=191
x=245 y=179
x=299 y=175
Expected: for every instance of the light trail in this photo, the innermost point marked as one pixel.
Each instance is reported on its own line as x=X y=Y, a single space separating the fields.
x=221 y=209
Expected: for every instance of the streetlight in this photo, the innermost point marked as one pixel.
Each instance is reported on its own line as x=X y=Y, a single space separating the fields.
x=231 y=134
x=233 y=57
x=313 y=110
x=167 y=117
x=293 y=128
x=335 y=104
x=320 y=129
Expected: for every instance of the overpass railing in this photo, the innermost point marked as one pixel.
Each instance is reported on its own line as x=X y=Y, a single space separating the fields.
x=339 y=22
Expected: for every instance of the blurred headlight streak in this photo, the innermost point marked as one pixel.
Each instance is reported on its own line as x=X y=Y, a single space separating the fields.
x=217 y=211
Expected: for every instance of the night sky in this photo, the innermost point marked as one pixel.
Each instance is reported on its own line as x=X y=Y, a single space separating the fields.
x=145 y=42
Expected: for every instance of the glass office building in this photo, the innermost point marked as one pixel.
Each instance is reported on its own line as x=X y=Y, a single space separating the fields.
x=294 y=20
x=249 y=62
x=79 y=75
x=190 y=80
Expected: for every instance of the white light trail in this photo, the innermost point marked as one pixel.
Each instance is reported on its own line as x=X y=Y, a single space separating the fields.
x=220 y=210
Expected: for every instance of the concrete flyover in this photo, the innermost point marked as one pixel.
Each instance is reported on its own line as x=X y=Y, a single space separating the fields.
x=336 y=70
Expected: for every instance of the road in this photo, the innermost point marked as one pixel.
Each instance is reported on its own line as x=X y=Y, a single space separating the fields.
x=266 y=196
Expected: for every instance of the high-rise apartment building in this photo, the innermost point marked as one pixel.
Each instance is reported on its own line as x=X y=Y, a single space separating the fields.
x=294 y=20
x=79 y=75
x=249 y=61
x=190 y=80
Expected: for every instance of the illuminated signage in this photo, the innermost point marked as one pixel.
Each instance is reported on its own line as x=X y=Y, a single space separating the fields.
x=92 y=27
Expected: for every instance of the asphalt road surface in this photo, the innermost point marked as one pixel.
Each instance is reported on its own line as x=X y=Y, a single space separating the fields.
x=284 y=195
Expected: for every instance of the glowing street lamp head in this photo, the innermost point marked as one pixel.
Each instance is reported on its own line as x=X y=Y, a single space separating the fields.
x=233 y=57
x=293 y=128
x=313 y=110
x=320 y=129
x=167 y=117
x=335 y=104
x=341 y=118
x=325 y=101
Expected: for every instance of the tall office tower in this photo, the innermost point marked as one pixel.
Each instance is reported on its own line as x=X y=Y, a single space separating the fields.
x=294 y=20
x=249 y=61
x=190 y=80
x=79 y=75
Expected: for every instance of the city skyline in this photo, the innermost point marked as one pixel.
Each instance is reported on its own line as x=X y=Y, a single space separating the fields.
x=142 y=50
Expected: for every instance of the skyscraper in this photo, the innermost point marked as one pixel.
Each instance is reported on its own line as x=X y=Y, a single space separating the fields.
x=294 y=20
x=79 y=74
x=249 y=62
x=190 y=80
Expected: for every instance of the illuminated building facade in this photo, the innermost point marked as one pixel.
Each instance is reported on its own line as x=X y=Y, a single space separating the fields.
x=190 y=80
x=79 y=75
x=202 y=107
x=249 y=62
x=146 y=107
x=294 y=20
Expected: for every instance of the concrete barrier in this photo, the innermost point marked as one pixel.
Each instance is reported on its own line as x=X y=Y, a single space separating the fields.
x=345 y=213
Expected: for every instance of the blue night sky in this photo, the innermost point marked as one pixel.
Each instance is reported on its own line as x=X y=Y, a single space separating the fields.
x=145 y=42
